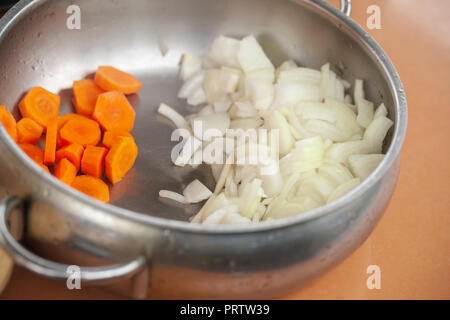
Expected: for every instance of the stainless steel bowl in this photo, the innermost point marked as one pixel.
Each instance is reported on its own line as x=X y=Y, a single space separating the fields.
x=159 y=253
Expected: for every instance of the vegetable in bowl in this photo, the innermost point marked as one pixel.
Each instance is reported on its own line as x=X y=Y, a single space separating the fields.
x=323 y=139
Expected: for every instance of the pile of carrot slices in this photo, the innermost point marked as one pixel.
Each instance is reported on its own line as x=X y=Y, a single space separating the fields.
x=83 y=147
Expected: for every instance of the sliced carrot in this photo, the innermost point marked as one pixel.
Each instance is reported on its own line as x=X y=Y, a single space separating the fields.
x=85 y=93
x=110 y=136
x=43 y=166
x=65 y=171
x=120 y=158
x=83 y=131
x=8 y=121
x=62 y=120
x=40 y=105
x=73 y=152
x=35 y=153
x=111 y=79
x=114 y=112
x=50 y=142
x=93 y=161
x=29 y=131
x=92 y=186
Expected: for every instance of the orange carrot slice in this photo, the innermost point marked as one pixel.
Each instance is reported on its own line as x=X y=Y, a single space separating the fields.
x=83 y=131
x=85 y=93
x=93 y=161
x=50 y=141
x=73 y=152
x=29 y=131
x=65 y=171
x=44 y=167
x=62 y=120
x=35 y=153
x=114 y=112
x=92 y=186
x=40 y=105
x=8 y=121
x=111 y=79
x=120 y=158
x=110 y=136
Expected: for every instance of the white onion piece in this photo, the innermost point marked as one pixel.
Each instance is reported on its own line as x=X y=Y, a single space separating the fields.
x=292 y=93
x=250 y=197
x=342 y=150
x=307 y=154
x=343 y=189
x=326 y=130
x=198 y=97
x=173 y=116
x=224 y=51
x=191 y=85
x=234 y=218
x=222 y=106
x=205 y=111
x=246 y=123
x=245 y=110
x=190 y=65
x=348 y=100
x=300 y=74
x=319 y=184
x=218 y=83
x=381 y=111
x=275 y=120
x=318 y=110
x=335 y=171
x=196 y=192
x=363 y=165
x=261 y=92
x=252 y=57
x=376 y=132
x=172 y=195
x=210 y=124
x=287 y=65
x=365 y=112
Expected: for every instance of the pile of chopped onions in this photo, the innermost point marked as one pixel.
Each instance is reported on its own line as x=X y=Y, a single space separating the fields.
x=329 y=139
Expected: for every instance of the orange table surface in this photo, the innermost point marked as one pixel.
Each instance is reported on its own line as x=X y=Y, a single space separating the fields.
x=411 y=244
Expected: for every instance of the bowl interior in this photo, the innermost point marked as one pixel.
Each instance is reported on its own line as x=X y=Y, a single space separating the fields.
x=41 y=50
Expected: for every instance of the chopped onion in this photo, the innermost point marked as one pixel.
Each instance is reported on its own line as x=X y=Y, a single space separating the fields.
x=210 y=124
x=343 y=189
x=172 y=195
x=252 y=57
x=363 y=165
x=275 y=120
x=190 y=65
x=173 y=116
x=224 y=52
x=381 y=111
x=191 y=85
x=196 y=192
x=376 y=132
x=218 y=83
x=328 y=139
x=341 y=151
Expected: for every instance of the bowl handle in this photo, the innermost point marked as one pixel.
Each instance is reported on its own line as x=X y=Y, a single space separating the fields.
x=54 y=270
x=346 y=7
